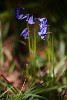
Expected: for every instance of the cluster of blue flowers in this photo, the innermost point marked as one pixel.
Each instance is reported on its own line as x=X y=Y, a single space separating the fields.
x=31 y=20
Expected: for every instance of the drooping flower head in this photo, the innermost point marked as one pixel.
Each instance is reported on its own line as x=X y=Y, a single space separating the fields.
x=24 y=33
x=43 y=27
x=18 y=14
x=29 y=19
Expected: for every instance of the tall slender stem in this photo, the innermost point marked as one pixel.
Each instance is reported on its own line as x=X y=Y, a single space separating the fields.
x=32 y=46
x=1 y=45
x=49 y=55
x=34 y=53
x=29 y=44
x=53 y=54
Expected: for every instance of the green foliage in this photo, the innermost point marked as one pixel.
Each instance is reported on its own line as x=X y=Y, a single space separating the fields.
x=48 y=90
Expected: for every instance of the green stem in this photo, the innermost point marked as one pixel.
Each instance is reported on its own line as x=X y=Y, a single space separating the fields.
x=1 y=45
x=34 y=53
x=29 y=44
x=53 y=54
x=49 y=55
x=32 y=46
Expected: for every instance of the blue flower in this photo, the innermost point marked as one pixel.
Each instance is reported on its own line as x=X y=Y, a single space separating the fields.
x=43 y=27
x=19 y=15
x=43 y=32
x=25 y=33
x=42 y=20
x=29 y=19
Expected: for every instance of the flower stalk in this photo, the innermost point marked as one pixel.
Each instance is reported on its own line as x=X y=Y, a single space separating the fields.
x=34 y=53
x=53 y=54
x=43 y=27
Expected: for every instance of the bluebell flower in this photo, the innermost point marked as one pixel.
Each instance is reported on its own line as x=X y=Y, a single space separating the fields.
x=42 y=20
x=43 y=27
x=19 y=15
x=25 y=33
x=29 y=19
x=43 y=32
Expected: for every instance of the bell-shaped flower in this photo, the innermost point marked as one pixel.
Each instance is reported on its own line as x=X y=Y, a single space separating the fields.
x=19 y=15
x=29 y=19
x=24 y=33
x=43 y=32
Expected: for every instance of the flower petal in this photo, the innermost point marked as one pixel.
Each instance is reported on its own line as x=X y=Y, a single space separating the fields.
x=42 y=20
